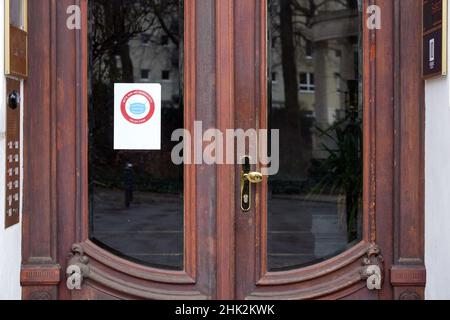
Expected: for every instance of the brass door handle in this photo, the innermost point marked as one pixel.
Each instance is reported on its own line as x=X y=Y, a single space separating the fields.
x=247 y=179
x=253 y=177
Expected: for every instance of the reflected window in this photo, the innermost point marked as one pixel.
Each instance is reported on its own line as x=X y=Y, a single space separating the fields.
x=145 y=74
x=309 y=49
x=165 y=75
x=315 y=201
x=164 y=40
x=274 y=77
x=307 y=82
x=136 y=197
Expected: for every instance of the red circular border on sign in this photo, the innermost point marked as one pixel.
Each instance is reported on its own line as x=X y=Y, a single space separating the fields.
x=123 y=106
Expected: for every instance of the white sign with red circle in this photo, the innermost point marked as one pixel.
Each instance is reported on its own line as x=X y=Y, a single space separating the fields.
x=137 y=116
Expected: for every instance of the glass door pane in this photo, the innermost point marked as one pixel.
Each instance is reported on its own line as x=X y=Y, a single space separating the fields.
x=136 y=197
x=314 y=206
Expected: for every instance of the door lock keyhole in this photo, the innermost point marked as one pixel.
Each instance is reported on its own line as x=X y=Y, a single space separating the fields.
x=248 y=178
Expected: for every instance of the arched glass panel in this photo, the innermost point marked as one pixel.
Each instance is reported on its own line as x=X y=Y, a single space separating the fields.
x=136 y=197
x=315 y=80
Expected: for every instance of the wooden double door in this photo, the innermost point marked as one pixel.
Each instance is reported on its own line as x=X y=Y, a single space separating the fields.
x=329 y=206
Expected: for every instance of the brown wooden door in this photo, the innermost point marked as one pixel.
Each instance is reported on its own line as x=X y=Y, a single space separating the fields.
x=133 y=225
x=307 y=235
x=332 y=218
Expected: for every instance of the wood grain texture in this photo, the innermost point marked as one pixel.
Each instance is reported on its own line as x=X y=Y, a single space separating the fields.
x=409 y=148
x=247 y=68
x=381 y=104
x=39 y=247
x=225 y=173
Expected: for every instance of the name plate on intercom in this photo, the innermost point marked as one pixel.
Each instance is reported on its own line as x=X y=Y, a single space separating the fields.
x=13 y=161
x=434 y=38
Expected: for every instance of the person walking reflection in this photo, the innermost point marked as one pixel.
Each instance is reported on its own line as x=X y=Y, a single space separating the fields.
x=128 y=184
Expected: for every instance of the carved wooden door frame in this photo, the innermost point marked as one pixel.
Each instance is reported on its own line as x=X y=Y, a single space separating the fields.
x=55 y=221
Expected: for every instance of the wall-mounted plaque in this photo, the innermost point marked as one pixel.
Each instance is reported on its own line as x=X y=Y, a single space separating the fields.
x=12 y=180
x=434 y=38
x=16 y=60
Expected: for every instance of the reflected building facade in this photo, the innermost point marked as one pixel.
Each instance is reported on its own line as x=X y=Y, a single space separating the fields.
x=316 y=102
x=136 y=197
x=326 y=47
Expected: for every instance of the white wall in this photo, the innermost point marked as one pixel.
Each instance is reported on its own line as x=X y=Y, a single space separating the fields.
x=10 y=239
x=437 y=188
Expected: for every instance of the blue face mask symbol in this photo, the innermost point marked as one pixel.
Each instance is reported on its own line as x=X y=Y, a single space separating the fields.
x=138 y=108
